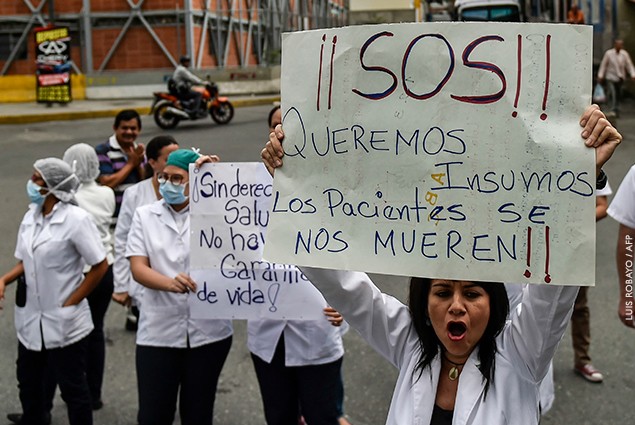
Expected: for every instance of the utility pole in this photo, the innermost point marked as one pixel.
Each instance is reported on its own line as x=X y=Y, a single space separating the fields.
x=52 y=12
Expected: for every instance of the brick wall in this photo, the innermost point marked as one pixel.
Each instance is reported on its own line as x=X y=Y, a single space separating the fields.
x=123 y=6
x=233 y=57
x=137 y=50
x=18 y=7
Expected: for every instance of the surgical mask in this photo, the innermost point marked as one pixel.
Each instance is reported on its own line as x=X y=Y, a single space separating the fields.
x=174 y=194
x=33 y=192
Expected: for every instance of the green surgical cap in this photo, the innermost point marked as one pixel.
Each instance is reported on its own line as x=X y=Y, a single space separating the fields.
x=182 y=158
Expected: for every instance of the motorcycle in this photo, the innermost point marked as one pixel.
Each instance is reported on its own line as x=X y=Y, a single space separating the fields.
x=168 y=109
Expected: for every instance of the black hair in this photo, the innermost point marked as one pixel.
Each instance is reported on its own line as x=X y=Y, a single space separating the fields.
x=153 y=150
x=273 y=111
x=127 y=115
x=429 y=342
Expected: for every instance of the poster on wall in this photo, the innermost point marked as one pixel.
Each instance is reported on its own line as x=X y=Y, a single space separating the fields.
x=53 y=65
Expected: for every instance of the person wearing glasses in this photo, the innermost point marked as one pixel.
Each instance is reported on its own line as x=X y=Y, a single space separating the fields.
x=176 y=356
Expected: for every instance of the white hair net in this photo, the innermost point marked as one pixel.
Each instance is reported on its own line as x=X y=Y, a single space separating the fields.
x=83 y=159
x=59 y=177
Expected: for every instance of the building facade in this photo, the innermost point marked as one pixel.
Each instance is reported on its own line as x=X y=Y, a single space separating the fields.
x=133 y=35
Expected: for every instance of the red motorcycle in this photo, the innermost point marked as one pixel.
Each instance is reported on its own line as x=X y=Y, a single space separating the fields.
x=168 y=109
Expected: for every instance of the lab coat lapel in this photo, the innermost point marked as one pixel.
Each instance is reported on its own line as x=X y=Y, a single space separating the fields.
x=162 y=210
x=471 y=388
x=59 y=215
x=29 y=223
x=425 y=392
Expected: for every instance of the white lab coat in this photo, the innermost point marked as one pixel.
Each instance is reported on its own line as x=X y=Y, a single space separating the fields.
x=525 y=347
x=53 y=251
x=99 y=201
x=622 y=208
x=306 y=342
x=134 y=197
x=547 y=386
x=164 y=319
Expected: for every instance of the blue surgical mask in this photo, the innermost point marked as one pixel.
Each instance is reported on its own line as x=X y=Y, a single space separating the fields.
x=174 y=194
x=33 y=192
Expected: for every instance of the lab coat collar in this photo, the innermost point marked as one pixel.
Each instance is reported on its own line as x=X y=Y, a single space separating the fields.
x=161 y=209
x=424 y=392
x=471 y=387
x=470 y=390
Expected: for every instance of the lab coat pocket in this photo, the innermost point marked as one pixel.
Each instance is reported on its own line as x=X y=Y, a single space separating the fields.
x=163 y=324
x=58 y=324
x=27 y=325
x=68 y=315
x=21 y=317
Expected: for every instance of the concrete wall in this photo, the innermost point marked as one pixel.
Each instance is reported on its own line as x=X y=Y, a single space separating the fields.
x=368 y=5
x=381 y=17
x=141 y=84
x=21 y=88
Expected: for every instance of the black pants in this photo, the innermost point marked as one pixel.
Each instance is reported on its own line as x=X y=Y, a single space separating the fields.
x=190 y=373
x=288 y=389
x=98 y=300
x=193 y=98
x=69 y=367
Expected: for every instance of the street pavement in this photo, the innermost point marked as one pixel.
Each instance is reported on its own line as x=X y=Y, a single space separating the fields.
x=369 y=380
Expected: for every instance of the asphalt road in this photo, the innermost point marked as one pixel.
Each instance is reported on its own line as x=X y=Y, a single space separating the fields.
x=368 y=378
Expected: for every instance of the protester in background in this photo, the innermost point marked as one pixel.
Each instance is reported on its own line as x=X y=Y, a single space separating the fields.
x=457 y=331
x=298 y=363
x=177 y=356
x=615 y=66
x=52 y=318
x=142 y=193
x=581 y=317
x=622 y=209
x=121 y=157
x=575 y=15
x=99 y=201
x=121 y=165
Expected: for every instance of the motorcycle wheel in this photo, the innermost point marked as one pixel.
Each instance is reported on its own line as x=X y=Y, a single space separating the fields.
x=165 y=119
x=223 y=113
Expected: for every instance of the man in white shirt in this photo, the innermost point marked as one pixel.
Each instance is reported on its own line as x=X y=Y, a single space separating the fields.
x=616 y=63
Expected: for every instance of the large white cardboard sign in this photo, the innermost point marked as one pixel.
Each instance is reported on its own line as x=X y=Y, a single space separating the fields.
x=448 y=150
x=229 y=213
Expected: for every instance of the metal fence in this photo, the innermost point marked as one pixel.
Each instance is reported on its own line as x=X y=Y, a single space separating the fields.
x=251 y=27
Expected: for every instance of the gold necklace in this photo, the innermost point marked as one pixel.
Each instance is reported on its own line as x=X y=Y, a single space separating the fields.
x=454 y=370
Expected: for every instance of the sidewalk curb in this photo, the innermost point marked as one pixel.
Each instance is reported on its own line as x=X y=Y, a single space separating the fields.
x=111 y=112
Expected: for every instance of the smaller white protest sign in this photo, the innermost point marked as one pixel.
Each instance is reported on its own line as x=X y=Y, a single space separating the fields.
x=281 y=292
x=229 y=214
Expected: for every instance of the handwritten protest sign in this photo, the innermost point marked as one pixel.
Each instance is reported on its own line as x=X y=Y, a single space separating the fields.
x=229 y=214
x=447 y=150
